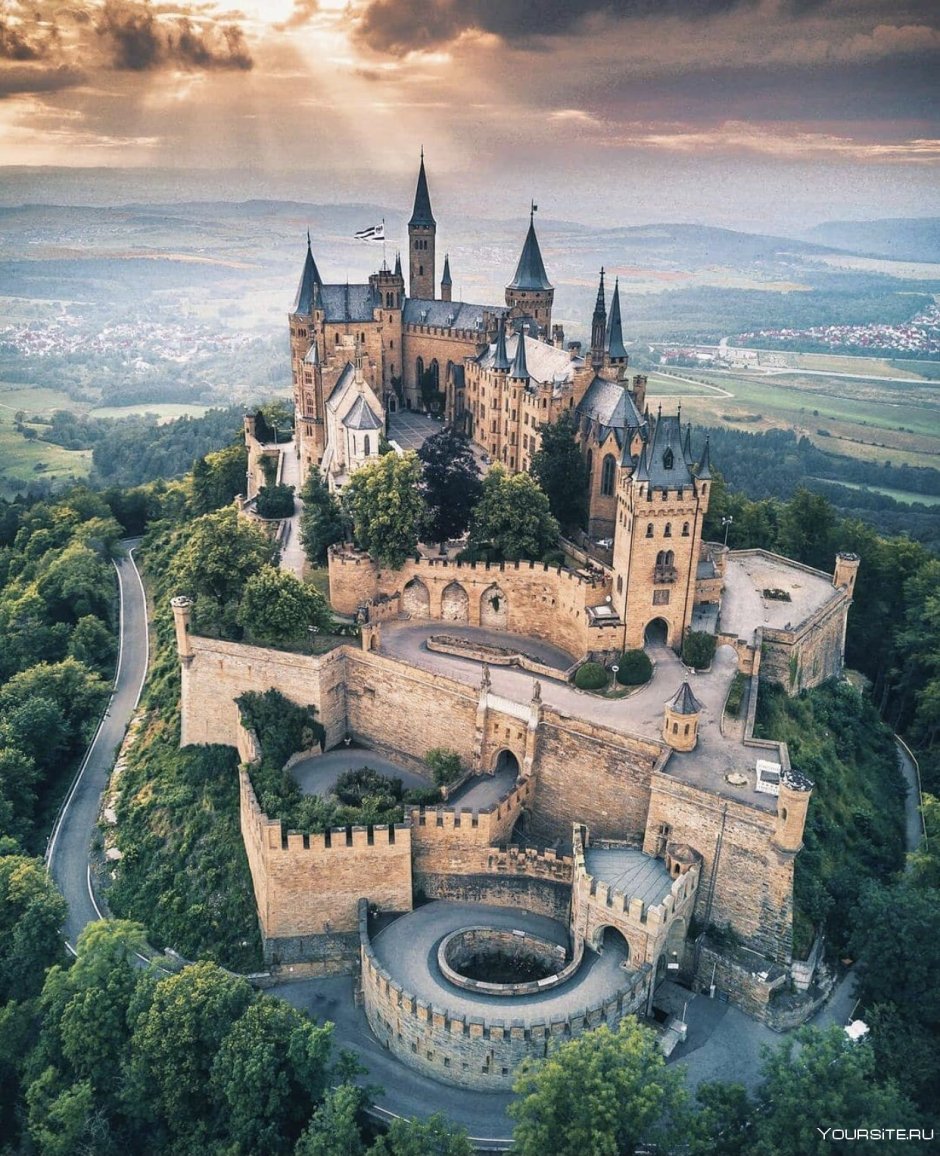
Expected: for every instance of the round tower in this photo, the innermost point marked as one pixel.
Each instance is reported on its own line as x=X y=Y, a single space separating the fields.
x=530 y=293
x=792 y=805
x=182 y=616
x=681 y=718
x=846 y=572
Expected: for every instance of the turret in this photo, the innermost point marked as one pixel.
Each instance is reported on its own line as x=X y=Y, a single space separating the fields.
x=182 y=616
x=681 y=719
x=846 y=572
x=530 y=293
x=614 y=347
x=792 y=805
x=446 y=284
x=519 y=370
x=422 y=230
x=599 y=325
x=501 y=358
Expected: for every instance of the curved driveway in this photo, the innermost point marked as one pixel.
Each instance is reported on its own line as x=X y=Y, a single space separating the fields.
x=67 y=854
x=407 y=949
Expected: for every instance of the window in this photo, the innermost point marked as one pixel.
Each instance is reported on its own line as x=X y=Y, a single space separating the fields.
x=675 y=731
x=619 y=583
x=685 y=529
x=668 y=459
x=420 y=270
x=367 y=445
x=607 y=475
x=649 y=529
x=667 y=533
x=336 y=339
x=391 y=344
x=660 y=597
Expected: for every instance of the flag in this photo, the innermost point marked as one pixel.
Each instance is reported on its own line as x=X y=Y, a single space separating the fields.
x=373 y=233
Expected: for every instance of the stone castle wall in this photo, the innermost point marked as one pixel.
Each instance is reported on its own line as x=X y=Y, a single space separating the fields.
x=805 y=657
x=752 y=888
x=473 y=1052
x=307 y=887
x=522 y=597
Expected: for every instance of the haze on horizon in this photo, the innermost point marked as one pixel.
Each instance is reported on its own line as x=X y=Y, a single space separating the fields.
x=768 y=115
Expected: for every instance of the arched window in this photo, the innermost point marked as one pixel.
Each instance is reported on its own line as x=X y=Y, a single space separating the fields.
x=661 y=558
x=435 y=370
x=649 y=529
x=685 y=529
x=607 y=475
x=667 y=533
x=391 y=344
x=367 y=445
x=419 y=370
x=336 y=339
x=669 y=558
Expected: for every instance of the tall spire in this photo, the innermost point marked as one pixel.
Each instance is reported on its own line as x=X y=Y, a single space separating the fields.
x=309 y=279
x=704 y=471
x=614 y=347
x=519 y=371
x=445 y=280
x=398 y=264
x=599 y=324
x=501 y=358
x=530 y=272
x=421 y=214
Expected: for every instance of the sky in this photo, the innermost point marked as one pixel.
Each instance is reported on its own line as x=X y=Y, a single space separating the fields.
x=755 y=112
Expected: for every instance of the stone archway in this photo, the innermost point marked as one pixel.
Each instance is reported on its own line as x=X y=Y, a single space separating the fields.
x=494 y=608
x=455 y=603
x=669 y=963
x=506 y=760
x=415 y=599
x=609 y=936
x=656 y=633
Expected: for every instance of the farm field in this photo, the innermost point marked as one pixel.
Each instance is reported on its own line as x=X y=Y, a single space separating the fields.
x=899 y=495
x=165 y=411
x=23 y=461
x=862 y=418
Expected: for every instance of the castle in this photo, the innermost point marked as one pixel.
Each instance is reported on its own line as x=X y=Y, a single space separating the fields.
x=620 y=820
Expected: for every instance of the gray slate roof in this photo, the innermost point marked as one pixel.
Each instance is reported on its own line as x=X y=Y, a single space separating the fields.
x=543 y=362
x=309 y=278
x=447 y=314
x=664 y=462
x=685 y=702
x=361 y=416
x=347 y=302
x=421 y=214
x=610 y=407
x=614 y=343
x=530 y=272
x=628 y=870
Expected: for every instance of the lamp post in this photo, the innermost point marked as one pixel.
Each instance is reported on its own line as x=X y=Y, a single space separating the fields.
x=726 y=522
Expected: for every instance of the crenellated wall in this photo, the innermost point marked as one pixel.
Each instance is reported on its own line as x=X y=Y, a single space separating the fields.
x=474 y=1051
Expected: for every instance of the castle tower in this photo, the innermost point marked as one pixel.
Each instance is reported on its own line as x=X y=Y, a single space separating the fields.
x=530 y=293
x=846 y=572
x=182 y=616
x=681 y=719
x=388 y=291
x=792 y=805
x=661 y=504
x=422 y=230
x=446 y=284
x=501 y=358
x=599 y=325
x=615 y=353
x=304 y=319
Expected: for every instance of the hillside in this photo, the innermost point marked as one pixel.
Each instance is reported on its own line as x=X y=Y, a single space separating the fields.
x=900 y=239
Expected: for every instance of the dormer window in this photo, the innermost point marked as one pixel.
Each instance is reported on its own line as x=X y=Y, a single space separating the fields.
x=668 y=458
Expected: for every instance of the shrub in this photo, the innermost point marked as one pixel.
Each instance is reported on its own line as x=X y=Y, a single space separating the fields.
x=355 y=787
x=444 y=764
x=590 y=676
x=698 y=650
x=554 y=557
x=634 y=668
x=275 y=501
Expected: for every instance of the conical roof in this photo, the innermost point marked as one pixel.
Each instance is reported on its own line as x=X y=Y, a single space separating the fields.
x=309 y=279
x=614 y=344
x=704 y=471
x=530 y=272
x=685 y=701
x=445 y=279
x=600 y=305
x=421 y=214
x=519 y=371
x=501 y=359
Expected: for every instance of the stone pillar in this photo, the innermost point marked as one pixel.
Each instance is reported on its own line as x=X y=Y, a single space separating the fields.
x=182 y=615
x=532 y=730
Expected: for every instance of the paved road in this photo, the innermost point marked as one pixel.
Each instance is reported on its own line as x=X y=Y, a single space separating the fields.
x=293 y=557
x=67 y=854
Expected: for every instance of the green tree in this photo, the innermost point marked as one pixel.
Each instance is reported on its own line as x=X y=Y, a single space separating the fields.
x=559 y=467
x=275 y=501
x=31 y=916
x=221 y=552
x=435 y=1136
x=384 y=503
x=277 y=609
x=322 y=523
x=60 y=1116
x=444 y=764
x=217 y=478
x=450 y=483
x=698 y=649
x=334 y=1128
x=806 y=530
x=722 y=1124
x=822 y=1079
x=271 y=1071
x=93 y=644
x=175 y=1042
x=512 y=519
x=599 y=1095
x=77 y=583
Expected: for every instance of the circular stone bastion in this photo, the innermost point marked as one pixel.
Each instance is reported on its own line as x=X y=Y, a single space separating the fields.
x=426 y=1002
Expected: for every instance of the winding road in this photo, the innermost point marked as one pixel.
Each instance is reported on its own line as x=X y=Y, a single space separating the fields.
x=68 y=851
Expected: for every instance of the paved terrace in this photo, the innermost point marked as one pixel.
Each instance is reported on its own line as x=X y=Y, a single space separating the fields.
x=639 y=714
x=748 y=575
x=318 y=775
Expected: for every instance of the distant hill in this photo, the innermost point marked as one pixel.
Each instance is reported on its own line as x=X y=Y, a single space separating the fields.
x=900 y=239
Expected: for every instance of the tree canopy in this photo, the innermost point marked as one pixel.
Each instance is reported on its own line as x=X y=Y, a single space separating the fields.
x=384 y=503
x=512 y=519
x=559 y=468
x=322 y=523
x=450 y=484
x=277 y=609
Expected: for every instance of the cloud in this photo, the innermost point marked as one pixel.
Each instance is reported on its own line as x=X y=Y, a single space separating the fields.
x=303 y=13
x=16 y=44
x=23 y=78
x=139 y=41
x=402 y=26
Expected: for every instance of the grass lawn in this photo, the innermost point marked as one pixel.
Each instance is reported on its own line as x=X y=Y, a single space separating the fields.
x=23 y=461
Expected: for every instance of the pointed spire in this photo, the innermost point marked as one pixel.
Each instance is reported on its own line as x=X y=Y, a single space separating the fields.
x=309 y=280
x=704 y=471
x=519 y=371
x=687 y=445
x=600 y=305
x=530 y=272
x=614 y=345
x=642 y=466
x=501 y=358
x=684 y=701
x=421 y=214
x=398 y=272
x=445 y=280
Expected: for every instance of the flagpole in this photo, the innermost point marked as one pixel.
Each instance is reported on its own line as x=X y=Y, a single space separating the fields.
x=384 y=255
